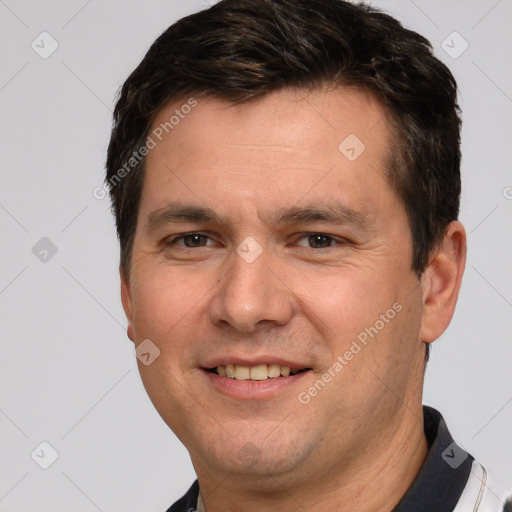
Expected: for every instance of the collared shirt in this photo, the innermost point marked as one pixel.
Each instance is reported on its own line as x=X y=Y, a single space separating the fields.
x=450 y=480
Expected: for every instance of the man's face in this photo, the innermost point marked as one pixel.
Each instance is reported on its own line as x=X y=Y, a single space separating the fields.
x=262 y=241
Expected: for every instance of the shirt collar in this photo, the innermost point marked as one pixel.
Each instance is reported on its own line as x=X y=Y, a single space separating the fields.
x=444 y=474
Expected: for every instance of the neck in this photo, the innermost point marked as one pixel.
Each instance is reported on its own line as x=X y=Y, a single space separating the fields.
x=375 y=481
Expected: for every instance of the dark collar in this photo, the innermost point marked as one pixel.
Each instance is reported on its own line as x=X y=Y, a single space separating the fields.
x=437 y=487
x=189 y=502
x=444 y=474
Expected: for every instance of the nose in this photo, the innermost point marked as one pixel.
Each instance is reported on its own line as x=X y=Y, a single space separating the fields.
x=252 y=294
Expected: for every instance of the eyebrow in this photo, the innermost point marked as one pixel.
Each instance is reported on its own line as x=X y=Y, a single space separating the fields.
x=175 y=212
x=335 y=213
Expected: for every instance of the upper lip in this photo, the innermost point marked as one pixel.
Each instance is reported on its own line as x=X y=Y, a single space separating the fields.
x=253 y=361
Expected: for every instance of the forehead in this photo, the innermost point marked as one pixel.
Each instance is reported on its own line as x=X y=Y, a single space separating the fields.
x=315 y=117
x=289 y=143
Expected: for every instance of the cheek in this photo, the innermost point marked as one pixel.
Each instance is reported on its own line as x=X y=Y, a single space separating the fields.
x=389 y=349
x=346 y=300
x=166 y=308
x=162 y=302
x=370 y=318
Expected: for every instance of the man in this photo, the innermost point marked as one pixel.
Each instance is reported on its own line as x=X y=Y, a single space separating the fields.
x=285 y=179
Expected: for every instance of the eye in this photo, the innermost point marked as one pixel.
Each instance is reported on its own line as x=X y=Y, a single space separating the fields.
x=190 y=240
x=318 y=240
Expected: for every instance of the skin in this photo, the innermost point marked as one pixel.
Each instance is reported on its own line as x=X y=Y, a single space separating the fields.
x=357 y=444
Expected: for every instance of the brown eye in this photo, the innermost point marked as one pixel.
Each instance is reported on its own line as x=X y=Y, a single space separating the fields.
x=319 y=241
x=190 y=240
x=194 y=240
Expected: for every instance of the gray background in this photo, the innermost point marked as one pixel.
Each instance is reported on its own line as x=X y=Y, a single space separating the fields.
x=67 y=370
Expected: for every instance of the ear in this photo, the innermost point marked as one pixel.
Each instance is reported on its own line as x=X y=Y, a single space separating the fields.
x=441 y=281
x=126 y=299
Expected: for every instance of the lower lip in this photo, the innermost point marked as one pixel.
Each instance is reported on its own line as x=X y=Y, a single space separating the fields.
x=254 y=389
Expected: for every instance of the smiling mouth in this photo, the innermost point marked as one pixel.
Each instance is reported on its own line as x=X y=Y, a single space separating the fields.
x=258 y=373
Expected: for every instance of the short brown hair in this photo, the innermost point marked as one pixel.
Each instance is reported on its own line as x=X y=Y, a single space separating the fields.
x=238 y=50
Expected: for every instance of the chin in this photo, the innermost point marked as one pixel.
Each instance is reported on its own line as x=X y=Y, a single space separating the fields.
x=252 y=455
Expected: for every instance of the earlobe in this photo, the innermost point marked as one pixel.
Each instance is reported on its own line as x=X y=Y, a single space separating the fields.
x=441 y=282
x=127 y=303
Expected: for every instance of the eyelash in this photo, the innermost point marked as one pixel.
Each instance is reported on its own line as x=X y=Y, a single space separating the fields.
x=181 y=237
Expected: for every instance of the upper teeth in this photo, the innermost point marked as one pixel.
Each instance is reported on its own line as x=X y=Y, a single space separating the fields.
x=259 y=372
